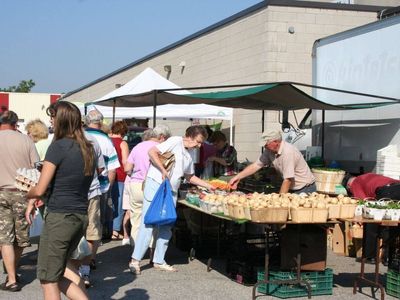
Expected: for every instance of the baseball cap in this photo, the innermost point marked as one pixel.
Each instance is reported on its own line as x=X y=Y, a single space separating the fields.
x=270 y=135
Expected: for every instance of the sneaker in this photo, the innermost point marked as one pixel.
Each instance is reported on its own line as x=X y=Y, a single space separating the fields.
x=134 y=267
x=86 y=280
x=165 y=267
x=126 y=242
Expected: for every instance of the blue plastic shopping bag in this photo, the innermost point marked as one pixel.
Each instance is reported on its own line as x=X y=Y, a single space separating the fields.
x=162 y=209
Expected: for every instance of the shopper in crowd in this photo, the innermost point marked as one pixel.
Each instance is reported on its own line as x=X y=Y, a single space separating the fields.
x=137 y=166
x=94 y=229
x=94 y=121
x=225 y=160
x=286 y=159
x=68 y=169
x=204 y=168
x=194 y=137
x=373 y=186
x=130 y=217
x=118 y=130
x=39 y=132
x=16 y=151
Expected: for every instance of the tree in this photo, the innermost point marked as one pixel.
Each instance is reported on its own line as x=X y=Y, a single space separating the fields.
x=24 y=86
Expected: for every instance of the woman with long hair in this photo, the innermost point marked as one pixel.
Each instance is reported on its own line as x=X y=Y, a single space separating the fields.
x=68 y=170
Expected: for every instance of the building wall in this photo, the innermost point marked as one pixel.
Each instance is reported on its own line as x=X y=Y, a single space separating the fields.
x=29 y=106
x=255 y=48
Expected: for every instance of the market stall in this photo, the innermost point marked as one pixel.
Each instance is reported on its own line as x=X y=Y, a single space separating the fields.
x=265 y=207
x=302 y=215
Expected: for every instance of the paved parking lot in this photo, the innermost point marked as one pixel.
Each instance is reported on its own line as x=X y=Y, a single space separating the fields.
x=112 y=279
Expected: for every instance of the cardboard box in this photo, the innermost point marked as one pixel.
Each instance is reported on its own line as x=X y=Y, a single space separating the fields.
x=308 y=240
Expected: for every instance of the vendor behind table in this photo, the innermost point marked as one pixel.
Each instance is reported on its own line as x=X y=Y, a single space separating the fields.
x=287 y=161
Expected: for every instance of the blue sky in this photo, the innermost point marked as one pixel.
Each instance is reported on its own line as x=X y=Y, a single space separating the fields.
x=64 y=44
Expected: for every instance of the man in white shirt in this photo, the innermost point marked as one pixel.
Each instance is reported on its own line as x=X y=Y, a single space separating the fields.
x=94 y=120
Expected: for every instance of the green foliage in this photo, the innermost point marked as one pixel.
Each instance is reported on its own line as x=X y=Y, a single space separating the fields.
x=24 y=86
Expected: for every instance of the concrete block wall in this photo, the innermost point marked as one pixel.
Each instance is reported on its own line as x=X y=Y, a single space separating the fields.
x=255 y=48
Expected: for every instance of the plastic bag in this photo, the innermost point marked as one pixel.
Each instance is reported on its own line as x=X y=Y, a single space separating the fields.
x=162 y=208
x=82 y=250
x=37 y=225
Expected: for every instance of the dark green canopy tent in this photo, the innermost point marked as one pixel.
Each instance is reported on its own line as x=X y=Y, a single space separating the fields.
x=262 y=96
x=269 y=96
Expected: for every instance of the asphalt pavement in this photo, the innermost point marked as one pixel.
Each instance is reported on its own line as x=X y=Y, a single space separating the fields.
x=112 y=279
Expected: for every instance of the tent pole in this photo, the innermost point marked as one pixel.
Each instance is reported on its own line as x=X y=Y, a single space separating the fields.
x=154 y=107
x=262 y=120
x=113 y=119
x=231 y=131
x=262 y=126
x=323 y=135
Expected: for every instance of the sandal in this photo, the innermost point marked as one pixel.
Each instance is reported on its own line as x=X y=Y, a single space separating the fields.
x=116 y=236
x=13 y=287
x=17 y=277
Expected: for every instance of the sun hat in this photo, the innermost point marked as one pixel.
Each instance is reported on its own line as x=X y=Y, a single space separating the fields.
x=270 y=135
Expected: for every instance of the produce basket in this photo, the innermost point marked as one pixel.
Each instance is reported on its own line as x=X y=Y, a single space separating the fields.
x=347 y=211
x=302 y=215
x=193 y=199
x=231 y=212
x=204 y=205
x=319 y=215
x=247 y=213
x=266 y=215
x=326 y=180
x=225 y=208
x=334 y=211
x=238 y=212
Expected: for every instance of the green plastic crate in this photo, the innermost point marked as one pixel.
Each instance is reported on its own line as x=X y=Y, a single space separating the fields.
x=321 y=284
x=393 y=283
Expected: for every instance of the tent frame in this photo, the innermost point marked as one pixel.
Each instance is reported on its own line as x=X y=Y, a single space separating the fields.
x=344 y=107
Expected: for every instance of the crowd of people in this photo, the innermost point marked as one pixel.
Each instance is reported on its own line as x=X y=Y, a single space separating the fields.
x=93 y=187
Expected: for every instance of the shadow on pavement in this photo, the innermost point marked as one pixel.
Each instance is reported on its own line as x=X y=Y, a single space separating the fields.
x=27 y=266
x=112 y=272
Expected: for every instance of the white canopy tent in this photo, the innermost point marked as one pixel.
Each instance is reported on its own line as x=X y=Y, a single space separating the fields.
x=147 y=81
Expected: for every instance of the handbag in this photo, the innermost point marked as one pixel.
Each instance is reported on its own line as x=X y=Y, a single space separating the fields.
x=168 y=160
x=162 y=208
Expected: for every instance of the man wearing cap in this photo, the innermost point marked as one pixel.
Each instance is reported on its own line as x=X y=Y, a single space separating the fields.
x=17 y=151
x=98 y=205
x=286 y=159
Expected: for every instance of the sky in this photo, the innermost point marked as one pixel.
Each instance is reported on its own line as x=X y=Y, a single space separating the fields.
x=64 y=44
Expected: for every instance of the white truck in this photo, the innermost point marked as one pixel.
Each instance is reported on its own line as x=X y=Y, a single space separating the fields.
x=365 y=59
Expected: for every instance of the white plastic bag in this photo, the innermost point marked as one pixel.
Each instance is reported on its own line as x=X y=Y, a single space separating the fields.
x=82 y=250
x=37 y=225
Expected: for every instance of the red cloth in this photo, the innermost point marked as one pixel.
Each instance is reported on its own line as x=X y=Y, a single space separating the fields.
x=206 y=150
x=120 y=174
x=365 y=185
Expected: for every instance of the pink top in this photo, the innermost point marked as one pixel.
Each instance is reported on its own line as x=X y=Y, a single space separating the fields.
x=139 y=157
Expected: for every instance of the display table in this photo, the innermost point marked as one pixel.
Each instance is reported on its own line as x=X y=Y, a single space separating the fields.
x=361 y=277
x=268 y=229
